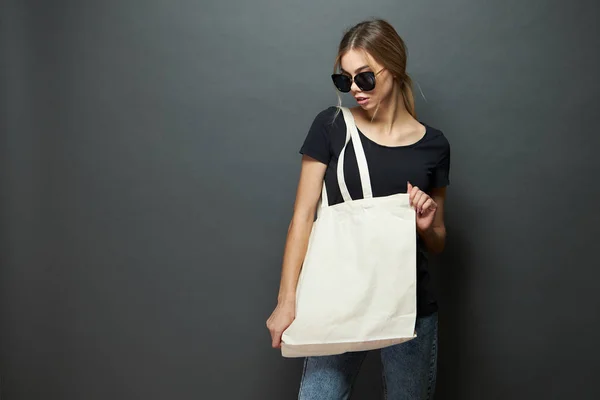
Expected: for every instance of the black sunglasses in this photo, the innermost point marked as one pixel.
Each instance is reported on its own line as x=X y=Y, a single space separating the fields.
x=364 y=80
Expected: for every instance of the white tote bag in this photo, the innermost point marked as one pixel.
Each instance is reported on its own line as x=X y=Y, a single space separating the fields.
x=357 y=287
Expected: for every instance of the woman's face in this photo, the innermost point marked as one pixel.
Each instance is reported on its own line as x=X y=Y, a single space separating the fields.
x=356 y=61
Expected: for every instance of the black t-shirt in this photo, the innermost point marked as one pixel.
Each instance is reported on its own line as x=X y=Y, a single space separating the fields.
x=425 y=164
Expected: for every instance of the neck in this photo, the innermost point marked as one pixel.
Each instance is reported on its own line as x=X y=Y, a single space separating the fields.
x=390 y=111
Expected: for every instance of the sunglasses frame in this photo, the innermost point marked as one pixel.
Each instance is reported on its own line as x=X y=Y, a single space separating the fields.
x=353 y=80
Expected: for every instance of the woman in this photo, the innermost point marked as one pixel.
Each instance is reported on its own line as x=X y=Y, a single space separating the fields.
x=404 y=156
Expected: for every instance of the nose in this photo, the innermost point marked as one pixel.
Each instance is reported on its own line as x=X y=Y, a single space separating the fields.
x=354 y=88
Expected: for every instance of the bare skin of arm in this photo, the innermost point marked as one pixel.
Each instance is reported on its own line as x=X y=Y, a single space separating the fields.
x=430 y=217
x=308 y=193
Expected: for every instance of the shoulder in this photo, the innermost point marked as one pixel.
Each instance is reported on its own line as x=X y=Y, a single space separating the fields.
x=435 y=139
x=329 y=120
x=324 y=135
x=328 y=116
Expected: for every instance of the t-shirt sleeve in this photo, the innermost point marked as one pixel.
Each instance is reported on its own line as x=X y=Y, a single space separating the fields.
x=317 y=143
x=441 y=174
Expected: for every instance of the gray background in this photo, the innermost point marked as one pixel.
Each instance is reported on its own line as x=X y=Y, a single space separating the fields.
x=149 y=160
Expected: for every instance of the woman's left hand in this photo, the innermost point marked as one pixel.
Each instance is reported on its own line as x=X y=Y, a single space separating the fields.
x=424 y=206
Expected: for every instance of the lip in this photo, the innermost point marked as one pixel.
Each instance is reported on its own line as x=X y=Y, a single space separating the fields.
x=362 y=100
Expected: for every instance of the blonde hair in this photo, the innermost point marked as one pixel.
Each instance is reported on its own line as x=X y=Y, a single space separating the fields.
x=379 y=40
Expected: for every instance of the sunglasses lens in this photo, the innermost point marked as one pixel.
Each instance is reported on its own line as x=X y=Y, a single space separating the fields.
x=341 y=82
x=365 y=80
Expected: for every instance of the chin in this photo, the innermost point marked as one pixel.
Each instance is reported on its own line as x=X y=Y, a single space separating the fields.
x=369 y=106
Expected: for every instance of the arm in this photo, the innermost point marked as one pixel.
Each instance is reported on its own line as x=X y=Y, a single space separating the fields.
x=434 y=236
x=307 y=197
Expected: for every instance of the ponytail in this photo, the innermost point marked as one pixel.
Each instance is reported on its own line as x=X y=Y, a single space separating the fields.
x=407 y=95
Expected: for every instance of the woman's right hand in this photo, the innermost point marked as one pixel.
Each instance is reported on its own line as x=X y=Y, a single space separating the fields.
x=281 y=318
x=312 y=174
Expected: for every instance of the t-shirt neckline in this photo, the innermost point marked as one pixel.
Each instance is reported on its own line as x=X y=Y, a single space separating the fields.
x=405 y=146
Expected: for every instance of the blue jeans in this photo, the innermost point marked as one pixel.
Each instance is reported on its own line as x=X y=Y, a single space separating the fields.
x=409 y=369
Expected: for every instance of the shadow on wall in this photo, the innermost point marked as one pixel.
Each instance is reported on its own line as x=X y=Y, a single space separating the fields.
x=452 y=280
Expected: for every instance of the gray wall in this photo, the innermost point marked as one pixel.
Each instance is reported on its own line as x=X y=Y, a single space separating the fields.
x=149 y=160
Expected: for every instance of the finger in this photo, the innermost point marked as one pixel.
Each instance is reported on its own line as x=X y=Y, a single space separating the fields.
x=429 y=204
x=433 y=205
x=417 y=200
x=276 y=342
x=413 y=192
x=422 y=200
